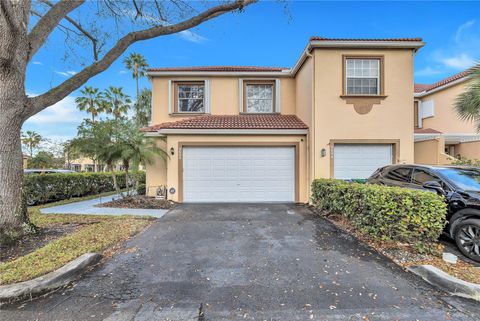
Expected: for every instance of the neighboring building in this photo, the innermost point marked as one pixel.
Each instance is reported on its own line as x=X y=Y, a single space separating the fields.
x=441 y=137
x=85 y=164
x=25 y=158
x=248 y=134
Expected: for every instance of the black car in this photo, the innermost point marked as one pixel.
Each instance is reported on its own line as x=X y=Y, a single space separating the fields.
x=461 y=187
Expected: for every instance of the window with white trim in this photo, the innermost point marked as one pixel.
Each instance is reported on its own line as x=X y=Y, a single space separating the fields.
x=190 y=97
x=259 y=96
x=362 y=76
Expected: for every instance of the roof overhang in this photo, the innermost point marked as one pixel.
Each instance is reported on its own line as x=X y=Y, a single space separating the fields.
x=312 y=44
x=449 y=138
x=366 y=44
x=173 y=131
x=442 y=87
x=285 y=73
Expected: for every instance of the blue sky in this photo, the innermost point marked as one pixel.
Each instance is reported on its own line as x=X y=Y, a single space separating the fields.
x=266 y=35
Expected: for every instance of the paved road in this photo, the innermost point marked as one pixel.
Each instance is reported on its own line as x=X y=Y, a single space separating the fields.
x=245 y=262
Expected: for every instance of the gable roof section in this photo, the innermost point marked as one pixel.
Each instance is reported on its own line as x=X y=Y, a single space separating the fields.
x=241 y=122
x=315 y=42
x=426 y=131
x=315 y=38
x=445 y=82
x=223 y=68
x=418 y=88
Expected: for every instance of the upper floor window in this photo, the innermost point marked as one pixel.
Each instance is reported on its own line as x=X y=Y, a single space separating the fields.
x=190 y=97
x=259 y=96
x=363 y=76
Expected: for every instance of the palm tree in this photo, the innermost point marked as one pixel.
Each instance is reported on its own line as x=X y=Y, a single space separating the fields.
x=92 y=101
x=467 y=103
x=138 y=65
x=143 y=108
x=117 y=102
x=136 y=148
x=31 y=140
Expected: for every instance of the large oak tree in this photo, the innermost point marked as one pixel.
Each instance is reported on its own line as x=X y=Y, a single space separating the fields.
x=107 y=27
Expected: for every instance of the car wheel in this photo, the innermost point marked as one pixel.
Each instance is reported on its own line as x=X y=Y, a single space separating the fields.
x=467 y=237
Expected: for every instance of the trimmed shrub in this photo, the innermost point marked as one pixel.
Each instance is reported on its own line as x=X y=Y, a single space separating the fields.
x=142 y=189
x=42 y=188
x=385 y=213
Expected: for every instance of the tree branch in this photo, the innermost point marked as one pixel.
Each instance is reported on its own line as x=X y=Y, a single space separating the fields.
x=48 y=23
x=38 y=103
x=80 y=28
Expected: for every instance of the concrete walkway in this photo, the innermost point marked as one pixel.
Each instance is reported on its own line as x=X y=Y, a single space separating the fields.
x=89 y=208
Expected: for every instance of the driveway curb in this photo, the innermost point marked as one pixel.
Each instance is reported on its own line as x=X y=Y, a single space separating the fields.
x=447 y=282
x=53 y=280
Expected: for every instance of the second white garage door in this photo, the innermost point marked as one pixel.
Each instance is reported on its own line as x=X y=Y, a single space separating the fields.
x=360 y=160
x=238 y=174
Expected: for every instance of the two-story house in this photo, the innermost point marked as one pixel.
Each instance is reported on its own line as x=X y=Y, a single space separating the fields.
x=255 y=134
x=440 y=135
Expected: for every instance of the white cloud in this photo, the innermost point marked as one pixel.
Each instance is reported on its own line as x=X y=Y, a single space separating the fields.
x=63 y=112
x=67 y=73
x=37 y=63
x=461 y=30
x=192 y=36
x=462 y=61
x=123 y=72
x=428 y=71
x=460 y=52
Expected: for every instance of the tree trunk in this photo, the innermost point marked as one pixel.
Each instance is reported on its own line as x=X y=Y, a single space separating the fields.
x=14 y=110
x=114 y=178
x=126 y=164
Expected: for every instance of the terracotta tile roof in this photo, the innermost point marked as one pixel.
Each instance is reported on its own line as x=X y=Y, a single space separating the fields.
x=222 y=69
x=450 y=79
x=427 y=131
x=274 y=121
x=365 y=39
x=418 y=88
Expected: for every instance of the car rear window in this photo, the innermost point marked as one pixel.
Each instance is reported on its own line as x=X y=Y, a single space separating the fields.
x=401 y=174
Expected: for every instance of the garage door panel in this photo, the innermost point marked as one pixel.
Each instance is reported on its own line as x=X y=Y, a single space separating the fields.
x=239 y=174
x=353 y=161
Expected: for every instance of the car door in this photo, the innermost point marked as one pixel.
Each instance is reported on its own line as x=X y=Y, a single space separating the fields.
x=422 y=175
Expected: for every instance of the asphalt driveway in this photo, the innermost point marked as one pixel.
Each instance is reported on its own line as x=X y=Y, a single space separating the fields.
x=244 y=262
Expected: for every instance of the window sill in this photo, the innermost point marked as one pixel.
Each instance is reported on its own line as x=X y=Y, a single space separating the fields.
x=363 y=96
x=187 y=114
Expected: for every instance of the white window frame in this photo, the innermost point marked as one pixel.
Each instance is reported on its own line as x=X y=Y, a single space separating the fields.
x=378 y=77
x=172 y=98
x=277 y=108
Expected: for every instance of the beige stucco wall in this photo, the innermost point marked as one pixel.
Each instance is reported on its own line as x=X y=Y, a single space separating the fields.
x=426 y=152
x=432 y=152
x=224 y=99
x=334 y=119
x=446 y=119
x=156 y=173
x=470 y=150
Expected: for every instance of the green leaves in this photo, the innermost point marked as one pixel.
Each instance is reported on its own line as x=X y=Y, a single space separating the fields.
x=467 y=103
x=51 y=187
x=385 y=213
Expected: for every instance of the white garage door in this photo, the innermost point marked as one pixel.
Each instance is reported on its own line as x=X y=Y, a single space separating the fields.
x=238 y=174
x=360 y=160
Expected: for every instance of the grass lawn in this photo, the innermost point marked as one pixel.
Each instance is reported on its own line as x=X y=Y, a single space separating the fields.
x=94 y=233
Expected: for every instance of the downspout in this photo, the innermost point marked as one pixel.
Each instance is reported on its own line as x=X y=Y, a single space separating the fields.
x=311 y=132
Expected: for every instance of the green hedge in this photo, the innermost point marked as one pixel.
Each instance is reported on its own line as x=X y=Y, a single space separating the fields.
x=385 y=213
x=42 y=188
